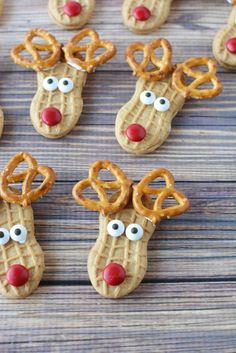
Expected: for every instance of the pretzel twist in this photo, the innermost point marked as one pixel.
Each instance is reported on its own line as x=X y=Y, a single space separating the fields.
x=163 y=66
x=200 y=78
x=105 y=205
x=27 y=177
x=74 y=49
x=51 y=51
x=158 y=212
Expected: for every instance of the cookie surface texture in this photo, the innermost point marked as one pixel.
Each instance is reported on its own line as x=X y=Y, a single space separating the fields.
x=28 y=255
x=224 y=44
x=145 y=16
x=71 y=14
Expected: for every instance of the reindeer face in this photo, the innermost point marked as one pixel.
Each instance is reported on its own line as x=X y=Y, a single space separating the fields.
x=57 y=105
x=71 y=14
x=144 y=123
x=21 y=258
x=224 y=44
x=62 y=72
x=145 y=16
x=118 y=261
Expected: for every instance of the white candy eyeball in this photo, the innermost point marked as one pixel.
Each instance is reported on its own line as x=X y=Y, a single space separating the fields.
x=115 y=228
x=50 y=83
x=65 y=85
x=134 y=232
x=19 y=233
x=147 y=97
x=162 y=104
x=4 y=236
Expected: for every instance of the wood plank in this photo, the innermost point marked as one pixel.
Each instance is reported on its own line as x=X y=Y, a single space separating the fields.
x=186 y=303
x=173 y=320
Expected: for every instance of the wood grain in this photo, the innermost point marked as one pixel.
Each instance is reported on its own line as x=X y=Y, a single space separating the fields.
x=186 y=303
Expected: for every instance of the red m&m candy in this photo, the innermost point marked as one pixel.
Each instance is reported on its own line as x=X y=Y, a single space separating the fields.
x=136 y=133
x=51 y=116
x=72 y=8
x=17 y=275
x=114 y=274
x=141 y=13
x=231 y=45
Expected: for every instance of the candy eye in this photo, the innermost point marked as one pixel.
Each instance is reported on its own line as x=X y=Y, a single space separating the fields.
x=50 y=83
x=134 y=232
x=147 y=97
x=115 y=228
x=65 y=85
x=18 y=233
x=162 y=104
x=4 y=236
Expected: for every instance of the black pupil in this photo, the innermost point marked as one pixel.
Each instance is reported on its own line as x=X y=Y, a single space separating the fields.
x=50 y=81
x=148 y=94
x=65 y=83
x=162 y=101
x=17 y=231
x=1 y=235
x=134 y=230
x=115 y=226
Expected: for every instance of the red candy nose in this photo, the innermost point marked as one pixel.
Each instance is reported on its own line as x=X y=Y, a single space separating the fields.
x=114 y=274
x=231 y=45
x=141 y=13
x=136 y=133
x=17 y=275
x=51 y=116
x=72 y=8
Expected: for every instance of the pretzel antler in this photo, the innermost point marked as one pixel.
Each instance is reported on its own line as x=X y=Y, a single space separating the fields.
x=27 y=177
x=162 y=66
x=105 y=205
x=51 y=49
x=199 y=77
x=162 y=194
x=74 y=49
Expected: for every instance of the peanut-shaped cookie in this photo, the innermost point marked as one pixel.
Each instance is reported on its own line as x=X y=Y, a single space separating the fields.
x=117 y=263
x=21 y=257
x=71 y=14
x=145 y=16
x=62 y=73
x=224 y=44
x=144 y=123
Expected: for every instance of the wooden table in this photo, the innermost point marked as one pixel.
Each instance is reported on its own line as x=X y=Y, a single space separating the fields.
x=187 y=302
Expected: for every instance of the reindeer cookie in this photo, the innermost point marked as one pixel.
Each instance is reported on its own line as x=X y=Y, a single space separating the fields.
x=144 y=123
x=62 y=72
x=145 y=16
x=71 y=14
x=224 y=44
x=117 y=263
x=21 y=258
